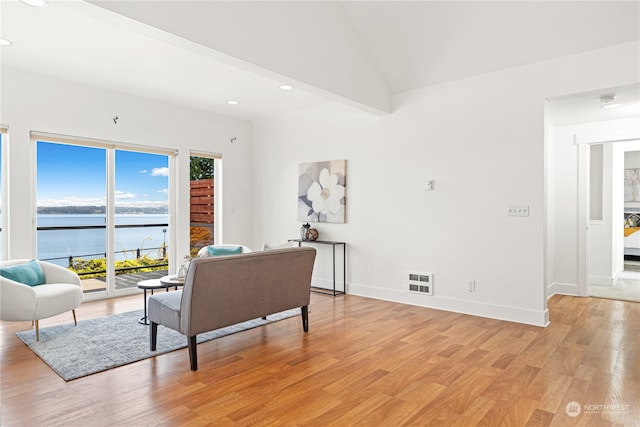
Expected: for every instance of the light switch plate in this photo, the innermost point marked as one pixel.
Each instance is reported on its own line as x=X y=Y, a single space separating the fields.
x=518 y=210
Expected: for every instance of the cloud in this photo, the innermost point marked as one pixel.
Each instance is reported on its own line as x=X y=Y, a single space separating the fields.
x=71 y=201
x=143 y=204
x=121 y=195
x=160 y=171
x=164 y=191
x=143 y=171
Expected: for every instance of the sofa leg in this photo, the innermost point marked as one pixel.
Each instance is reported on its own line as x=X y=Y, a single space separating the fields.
x=193 y=354
x=264 y=317
x=153 y=335
x=75 y=321
x=305 y=317
x=37 y=331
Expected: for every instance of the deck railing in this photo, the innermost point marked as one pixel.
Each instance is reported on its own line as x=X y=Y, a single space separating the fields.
x=68 y=260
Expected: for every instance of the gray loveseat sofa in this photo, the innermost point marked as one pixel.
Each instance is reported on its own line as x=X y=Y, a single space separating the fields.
x=226 y=290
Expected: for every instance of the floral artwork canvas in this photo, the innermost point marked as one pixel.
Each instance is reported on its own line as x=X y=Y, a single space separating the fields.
x=321 y=191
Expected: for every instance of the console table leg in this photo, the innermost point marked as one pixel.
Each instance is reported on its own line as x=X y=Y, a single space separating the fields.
x=334 y=270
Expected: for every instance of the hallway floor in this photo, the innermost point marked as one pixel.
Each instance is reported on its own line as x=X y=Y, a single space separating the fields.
x=626 y=287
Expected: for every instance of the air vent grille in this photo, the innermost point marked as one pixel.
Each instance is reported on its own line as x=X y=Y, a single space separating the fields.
x=421 y=283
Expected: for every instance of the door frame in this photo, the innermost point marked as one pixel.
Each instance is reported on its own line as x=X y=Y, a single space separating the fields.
x=584 y=140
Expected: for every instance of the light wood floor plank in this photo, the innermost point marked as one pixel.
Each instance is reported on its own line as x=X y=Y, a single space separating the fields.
x=363 y=362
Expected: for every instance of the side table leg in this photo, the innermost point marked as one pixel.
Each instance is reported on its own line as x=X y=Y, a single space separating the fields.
x=144 y=320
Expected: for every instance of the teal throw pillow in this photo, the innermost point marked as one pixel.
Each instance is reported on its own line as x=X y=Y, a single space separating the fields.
x=29 y=273
x=224 y=250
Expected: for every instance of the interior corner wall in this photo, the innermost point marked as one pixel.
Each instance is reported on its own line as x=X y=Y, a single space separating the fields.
x=35 y=102
x=482 y=142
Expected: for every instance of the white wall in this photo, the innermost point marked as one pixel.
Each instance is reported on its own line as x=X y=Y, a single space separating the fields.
x=34 y=102
x=482 y=141
x=632 y=160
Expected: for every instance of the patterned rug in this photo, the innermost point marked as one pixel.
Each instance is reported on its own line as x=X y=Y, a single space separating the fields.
x=97 y=345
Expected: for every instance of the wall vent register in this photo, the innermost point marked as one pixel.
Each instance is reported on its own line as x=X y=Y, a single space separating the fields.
x=421 y=283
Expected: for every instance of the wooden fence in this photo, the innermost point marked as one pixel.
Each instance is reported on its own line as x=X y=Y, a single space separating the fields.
x=202 y=201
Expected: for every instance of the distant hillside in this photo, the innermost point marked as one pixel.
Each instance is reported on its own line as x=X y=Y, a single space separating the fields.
x=97 y=210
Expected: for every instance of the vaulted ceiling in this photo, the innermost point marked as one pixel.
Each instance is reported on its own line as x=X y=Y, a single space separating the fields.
x=203 y=53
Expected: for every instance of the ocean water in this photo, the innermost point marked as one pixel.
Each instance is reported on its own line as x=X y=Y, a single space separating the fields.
x=58 y=245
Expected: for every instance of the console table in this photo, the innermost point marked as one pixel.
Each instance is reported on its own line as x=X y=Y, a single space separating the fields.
x=333 y=244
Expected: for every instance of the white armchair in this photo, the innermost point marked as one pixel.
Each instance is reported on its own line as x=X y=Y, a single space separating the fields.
x=62 y=291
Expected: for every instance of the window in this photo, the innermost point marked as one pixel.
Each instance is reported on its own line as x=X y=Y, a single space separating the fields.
x=141 y=215
x=3 y=131
x=102 y=211
x=202 y=182
x=71 y=185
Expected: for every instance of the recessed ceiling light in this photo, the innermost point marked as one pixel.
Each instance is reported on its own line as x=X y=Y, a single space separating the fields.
x=233 y=102
x=5 y=42
x=286 y=87
x=35 y=3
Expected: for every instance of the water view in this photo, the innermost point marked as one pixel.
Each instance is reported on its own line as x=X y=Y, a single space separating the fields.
x=90 y=243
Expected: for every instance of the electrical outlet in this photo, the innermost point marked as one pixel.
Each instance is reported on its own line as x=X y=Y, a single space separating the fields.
x=472 y=286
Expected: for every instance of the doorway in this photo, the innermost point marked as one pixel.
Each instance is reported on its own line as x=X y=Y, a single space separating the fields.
x=574 y=123
x=607 y=234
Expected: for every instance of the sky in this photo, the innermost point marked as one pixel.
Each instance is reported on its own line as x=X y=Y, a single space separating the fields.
x=69 y=175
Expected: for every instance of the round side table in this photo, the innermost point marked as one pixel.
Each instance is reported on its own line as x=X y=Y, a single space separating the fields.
x=165 y=282
x=172 y=281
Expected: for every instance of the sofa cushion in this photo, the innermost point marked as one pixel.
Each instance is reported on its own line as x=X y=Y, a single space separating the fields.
x=224 y=250
x=29 y=273
x=269 y=246
x=164 y=309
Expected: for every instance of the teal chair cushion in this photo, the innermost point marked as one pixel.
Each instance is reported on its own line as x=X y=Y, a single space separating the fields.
x=224 y=250
x=30 y=273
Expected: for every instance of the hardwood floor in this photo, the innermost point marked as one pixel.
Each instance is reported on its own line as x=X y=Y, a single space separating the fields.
x=363 y=362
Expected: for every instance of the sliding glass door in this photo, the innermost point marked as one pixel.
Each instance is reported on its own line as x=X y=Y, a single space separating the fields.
x=141 y=217
x=103 y=213
x=71 y=210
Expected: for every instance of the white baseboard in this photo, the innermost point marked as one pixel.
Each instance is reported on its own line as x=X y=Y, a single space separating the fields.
x=327 y=284
x=492 y=311
x=562 y=289
x=601 y=280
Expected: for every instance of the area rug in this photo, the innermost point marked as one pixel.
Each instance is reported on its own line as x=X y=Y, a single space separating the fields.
x=96 y=345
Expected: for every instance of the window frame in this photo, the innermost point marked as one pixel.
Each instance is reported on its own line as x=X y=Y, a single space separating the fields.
x=110 y=148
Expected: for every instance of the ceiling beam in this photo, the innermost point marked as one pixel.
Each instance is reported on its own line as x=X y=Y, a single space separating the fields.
x=310 y=45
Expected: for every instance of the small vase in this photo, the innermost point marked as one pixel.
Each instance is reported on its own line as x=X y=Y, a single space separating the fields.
x=303 y=231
